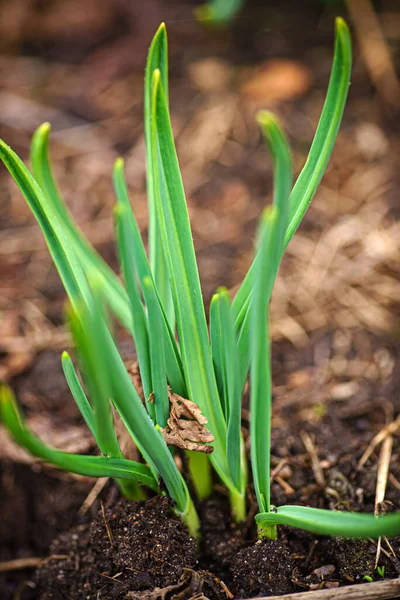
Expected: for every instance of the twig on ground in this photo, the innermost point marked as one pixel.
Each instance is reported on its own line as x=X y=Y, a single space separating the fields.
x=315 y=464
x=381 y=482
x=287 y=488
x=374 y=48
x=106 y=523
x=92 y=495
x=394 y=481
x=387 y=430
x=31 y=562
x=19 y=564
x=377 y=590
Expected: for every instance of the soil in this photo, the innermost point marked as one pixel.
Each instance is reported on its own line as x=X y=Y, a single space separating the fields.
x=129 y=547
x=122 y=550
x=336 y=351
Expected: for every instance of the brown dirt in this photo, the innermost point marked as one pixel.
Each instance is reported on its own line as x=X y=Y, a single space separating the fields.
x=263 y=569
x=221 y=538
x=35 y=506
x=150 y=548
x=130 y=547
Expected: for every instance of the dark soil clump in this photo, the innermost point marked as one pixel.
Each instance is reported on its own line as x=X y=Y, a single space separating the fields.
x=129 y=547
x=355 y=558
x=29 y=522
x=262 y=569
x=221 y=540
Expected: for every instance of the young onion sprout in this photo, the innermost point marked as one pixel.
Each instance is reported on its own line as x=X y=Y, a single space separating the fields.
x=200 y=379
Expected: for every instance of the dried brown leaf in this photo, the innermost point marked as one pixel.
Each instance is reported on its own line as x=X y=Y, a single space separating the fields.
x=186 y=426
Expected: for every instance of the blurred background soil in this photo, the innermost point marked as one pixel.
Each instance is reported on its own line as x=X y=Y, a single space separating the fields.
x=335 y=308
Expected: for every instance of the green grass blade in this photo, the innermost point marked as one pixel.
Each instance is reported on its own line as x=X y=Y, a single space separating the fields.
x=60 y=248
x=77 y=392
x=158 y=369
x=157 y=59
x=329 y=522
x=140 y=263
x=90 y=466
x=320 y=151
x=179 y=251
x=260 y=369
x=87 y=338
x=113 y=291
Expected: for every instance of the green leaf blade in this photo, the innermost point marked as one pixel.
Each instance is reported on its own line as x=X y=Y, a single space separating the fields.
x=136 y=258
x=149 y=440
x=327 y=130
x=232 y=390
x=260 y=369
x=58 y=243
x=335 y=523
x=85 y=330
x=179 y=250
x=77 y=392
x=244 y=348
x=140 y=331
x=157 y=59
x=217 y=350
x=90 y=466
x=320 y=151
x=157 y=353
x=112 y=290
x=280 y=151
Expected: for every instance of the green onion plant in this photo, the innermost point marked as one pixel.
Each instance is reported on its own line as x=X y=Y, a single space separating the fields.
x=189 y=371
